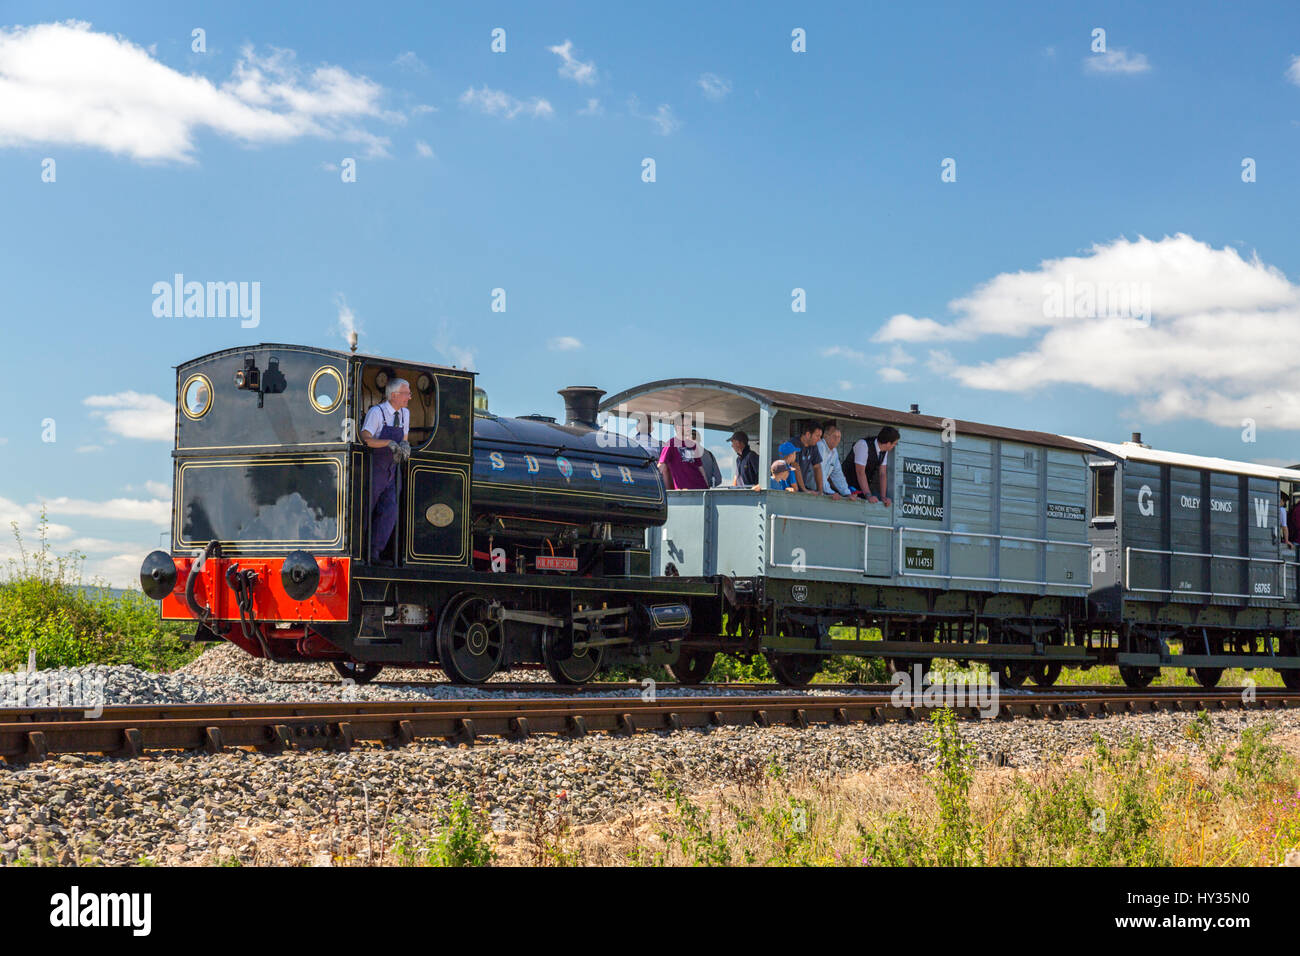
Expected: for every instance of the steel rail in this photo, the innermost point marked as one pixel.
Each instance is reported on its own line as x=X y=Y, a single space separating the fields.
x=134 y=731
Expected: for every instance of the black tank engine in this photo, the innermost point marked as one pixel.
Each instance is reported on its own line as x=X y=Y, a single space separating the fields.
x=518 y=540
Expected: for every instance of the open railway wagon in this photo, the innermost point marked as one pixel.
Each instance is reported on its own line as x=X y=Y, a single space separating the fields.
x=518 y=540
x=990 y=552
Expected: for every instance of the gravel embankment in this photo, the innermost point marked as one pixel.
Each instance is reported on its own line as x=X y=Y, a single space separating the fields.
x=225 y=673
x=311 y=807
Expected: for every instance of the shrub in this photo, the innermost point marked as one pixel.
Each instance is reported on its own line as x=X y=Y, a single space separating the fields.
x=46 y=606
x=464 y=837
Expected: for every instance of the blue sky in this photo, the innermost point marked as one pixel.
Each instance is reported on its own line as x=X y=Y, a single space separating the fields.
x=775 y=170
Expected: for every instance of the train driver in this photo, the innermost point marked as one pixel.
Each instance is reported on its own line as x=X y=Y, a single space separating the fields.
x=385 y=430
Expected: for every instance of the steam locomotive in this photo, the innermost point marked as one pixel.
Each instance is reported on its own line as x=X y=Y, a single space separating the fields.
x=524 y=540
x=519 y=540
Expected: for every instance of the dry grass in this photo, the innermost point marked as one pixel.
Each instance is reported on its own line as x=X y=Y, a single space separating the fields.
x=1219 y=802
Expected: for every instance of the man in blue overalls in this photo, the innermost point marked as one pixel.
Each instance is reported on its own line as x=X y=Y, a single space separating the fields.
x=385 y=429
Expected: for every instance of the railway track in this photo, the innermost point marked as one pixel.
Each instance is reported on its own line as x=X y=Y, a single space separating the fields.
x=598 y=687
x=33 y=734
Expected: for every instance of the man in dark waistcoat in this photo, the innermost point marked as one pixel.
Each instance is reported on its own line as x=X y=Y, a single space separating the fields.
x=384 y=430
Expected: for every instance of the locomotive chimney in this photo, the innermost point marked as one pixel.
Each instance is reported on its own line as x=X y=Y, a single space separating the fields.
x=580 y=403
x=916 y=409
x=1137 y=438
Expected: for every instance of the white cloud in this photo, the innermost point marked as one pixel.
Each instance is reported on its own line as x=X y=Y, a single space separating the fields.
x=1293 y=71
x=665 y=120
x=593 y=108
x=1116 y=61
x=157 y=510
x=841 y=351
x=115 y=561
x=410 y=62
x=564 y=343
x=573 y=68
x=455 y=354
x=64 y=84
x=134 y=415
x=1185 y=330
x=888 y=363
x=119 y=570
x=714 y=86
x=424 y=149
x=662 y=118
x=498 y=103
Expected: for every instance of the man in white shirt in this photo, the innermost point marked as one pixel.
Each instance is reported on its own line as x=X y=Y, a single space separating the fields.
x=385 y=430
x=833 y=481
x=871 y=464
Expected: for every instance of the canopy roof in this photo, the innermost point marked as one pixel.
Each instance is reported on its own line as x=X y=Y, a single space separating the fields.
x=337 y=353
x=1131 y=451
x=725 y=404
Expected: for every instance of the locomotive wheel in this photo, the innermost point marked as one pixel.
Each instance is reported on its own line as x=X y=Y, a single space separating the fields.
x=1014 y=673
x=794 y=670
x=471 y=645
x=576 y=668
x=1138 y=677
x=1207 y=676
x=692 y=666
x=1045 y=675
x=356 y=671
x=1290 y=678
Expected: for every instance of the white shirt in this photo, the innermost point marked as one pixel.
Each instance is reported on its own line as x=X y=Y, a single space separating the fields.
x=833 y=482
x=860 y=454
x=381 y=415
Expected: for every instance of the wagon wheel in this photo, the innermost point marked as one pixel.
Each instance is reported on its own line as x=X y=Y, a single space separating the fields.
x=794 y=670
x=1138 y=677
x=1045 y=674
x=1207 y=676
x=577 y=667
x=692 y=666
x=470 y=644
x=356 y=671
x=1291 y=678
x=1014 y=673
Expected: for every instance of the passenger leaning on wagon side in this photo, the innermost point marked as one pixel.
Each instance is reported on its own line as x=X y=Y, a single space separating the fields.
x=871 y=464
x=746 y=461
x=808 y=460
x=385 y=429
x=833 y=480
x=782 y=476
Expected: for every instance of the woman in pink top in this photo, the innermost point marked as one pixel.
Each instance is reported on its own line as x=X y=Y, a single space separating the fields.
x=680 y=462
